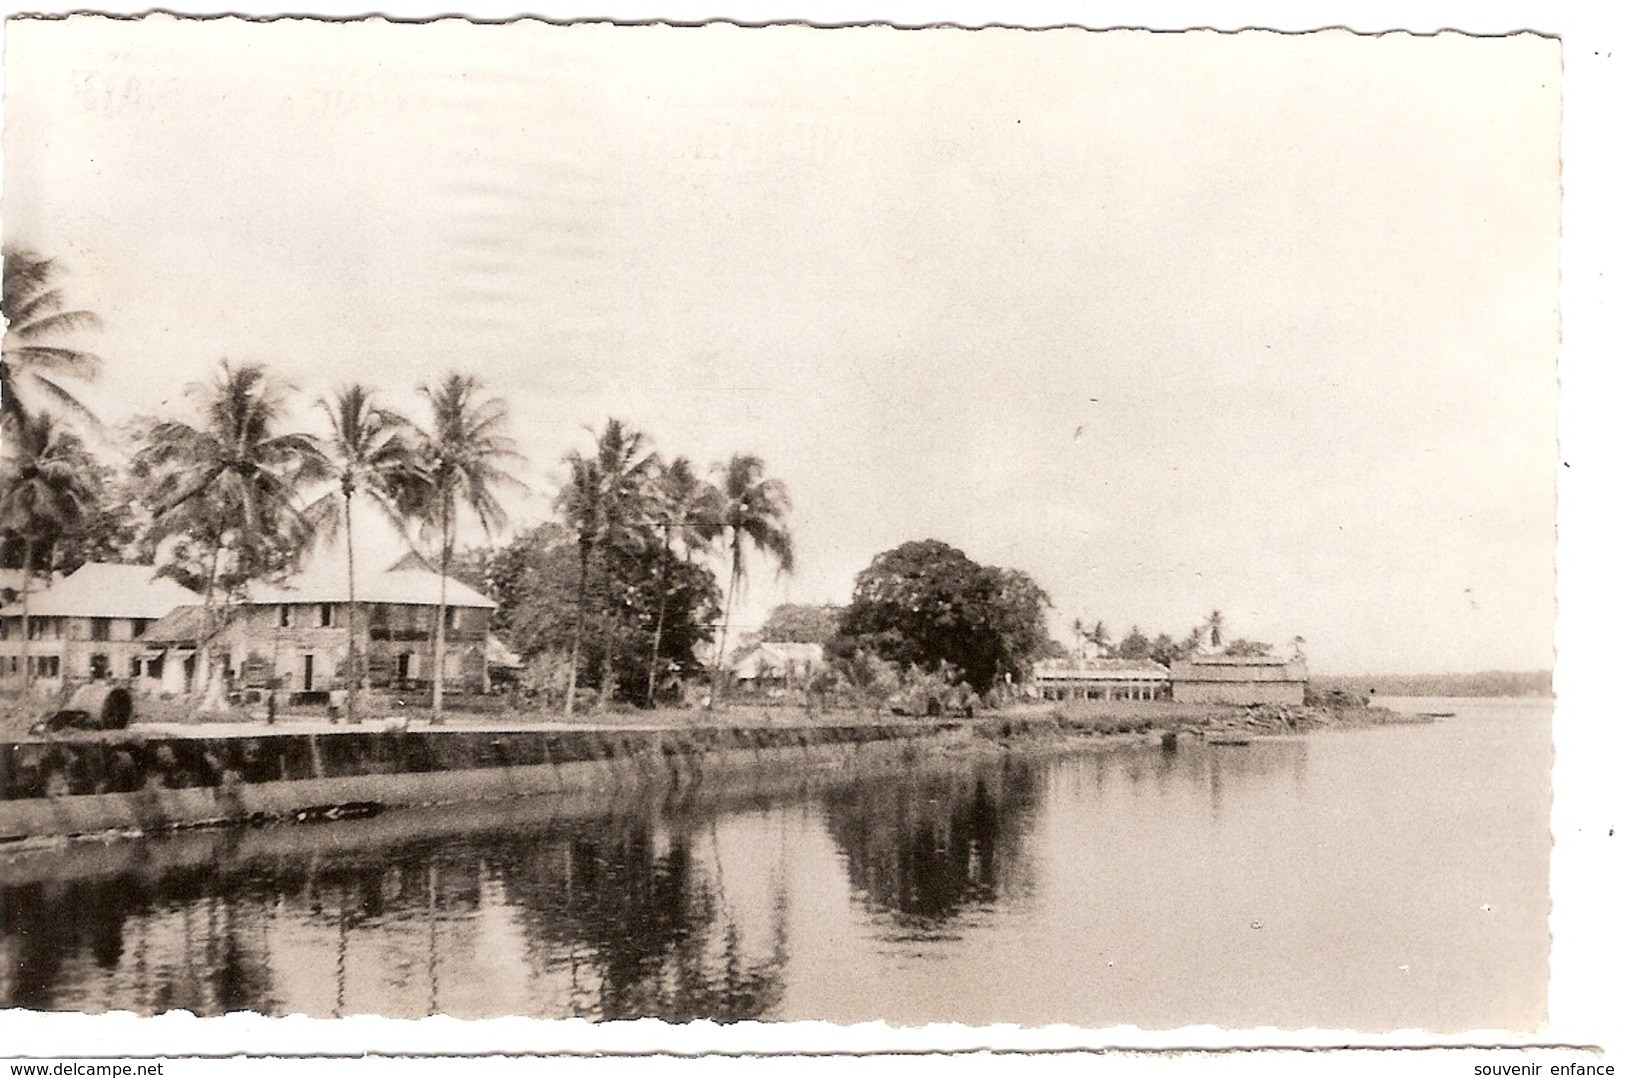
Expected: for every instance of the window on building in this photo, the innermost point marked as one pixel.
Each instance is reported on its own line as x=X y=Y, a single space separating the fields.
x=100 y=666
x=135 y=666
x=451 y=618
x=327 y=615
x=5 y=628
x=99 y=628
x=138 y=628
x=284 y=615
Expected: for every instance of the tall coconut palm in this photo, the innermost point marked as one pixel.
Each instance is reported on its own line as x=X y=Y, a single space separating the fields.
x=370 y=453
x=1213 y=628
x=754 y=512
x=235 y=481
x=463 y=457
x=604 y=501
x=35 y=356
x=44 y=490
x=579 y=503
x=685 y=508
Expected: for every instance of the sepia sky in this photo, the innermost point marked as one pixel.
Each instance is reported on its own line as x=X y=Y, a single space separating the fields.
x=1255 y=322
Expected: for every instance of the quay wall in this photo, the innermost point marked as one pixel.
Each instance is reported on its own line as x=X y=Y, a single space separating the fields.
x=124 y=782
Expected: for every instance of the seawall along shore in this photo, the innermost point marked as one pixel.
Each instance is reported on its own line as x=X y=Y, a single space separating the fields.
x=144 y=780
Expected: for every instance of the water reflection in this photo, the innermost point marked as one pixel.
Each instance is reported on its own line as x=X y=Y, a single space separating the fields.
x=614 y=914
x=1324 y=881
x=926 y=846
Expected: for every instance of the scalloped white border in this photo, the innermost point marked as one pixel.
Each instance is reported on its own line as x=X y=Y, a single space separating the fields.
x=1586 y=999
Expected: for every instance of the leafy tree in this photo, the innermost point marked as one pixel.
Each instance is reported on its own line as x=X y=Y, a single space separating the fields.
x=463 y=460
x=925 y=603
x=535 y=580
x=755 y=512
x=1213 y=628
x=233 y=485
x=1248 y=648
x=1164 y=649
x=44 y=492
x=370 y=453
x=1134 y=646
x=112 y=528
x=35 y=356
x=795 y=623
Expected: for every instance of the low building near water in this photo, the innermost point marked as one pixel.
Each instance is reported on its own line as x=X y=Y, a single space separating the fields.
x=90 y=625
x=777 y=665
x=295 y=636
x=1100 y=679
x=1240 y=679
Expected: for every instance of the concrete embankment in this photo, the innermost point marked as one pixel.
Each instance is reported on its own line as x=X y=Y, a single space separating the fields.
x=141 y=780
x=134 y=782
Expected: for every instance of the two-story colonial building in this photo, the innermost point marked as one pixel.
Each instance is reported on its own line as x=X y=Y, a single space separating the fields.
x=295 y=636
x=87 y=626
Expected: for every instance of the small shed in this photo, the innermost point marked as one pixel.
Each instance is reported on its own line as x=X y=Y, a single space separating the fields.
x=778 y=664
x=1239 y=679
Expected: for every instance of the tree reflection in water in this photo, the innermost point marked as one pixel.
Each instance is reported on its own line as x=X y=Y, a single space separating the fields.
x=930 y=845
x=653 y=929
x=643 y=931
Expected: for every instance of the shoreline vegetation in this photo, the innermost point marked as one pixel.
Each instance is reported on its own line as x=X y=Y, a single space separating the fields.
x=1076 y=719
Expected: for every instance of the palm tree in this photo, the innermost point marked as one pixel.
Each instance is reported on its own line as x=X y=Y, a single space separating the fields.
x=1214 y=628
x=579 y=503
x=370 y=453
x=605 y=501
x=1078 y=634
x=463 y=460
x=685 y=506
x=754 y=510
x=234 y=481
x=34 y=357
x=44 y=490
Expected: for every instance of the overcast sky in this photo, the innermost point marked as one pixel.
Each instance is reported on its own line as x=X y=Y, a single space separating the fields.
x=1260 y=323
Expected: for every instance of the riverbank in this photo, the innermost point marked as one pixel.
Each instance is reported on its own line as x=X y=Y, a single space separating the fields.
x=156 y=776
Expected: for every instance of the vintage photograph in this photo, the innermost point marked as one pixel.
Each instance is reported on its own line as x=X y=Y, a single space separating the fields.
x=779 y=523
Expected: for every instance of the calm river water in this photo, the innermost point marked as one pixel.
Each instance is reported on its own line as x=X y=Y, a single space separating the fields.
x=1382 y=878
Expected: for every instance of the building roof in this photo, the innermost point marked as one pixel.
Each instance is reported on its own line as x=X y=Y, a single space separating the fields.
x=1241 y=668
x=499 y=654
x=401 y=585
x=182 y=624
x=1240 y=660
x=99 y=590
x=1099 y=670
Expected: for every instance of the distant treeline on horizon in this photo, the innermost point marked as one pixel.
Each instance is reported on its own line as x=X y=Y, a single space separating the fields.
x=1485 y=683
